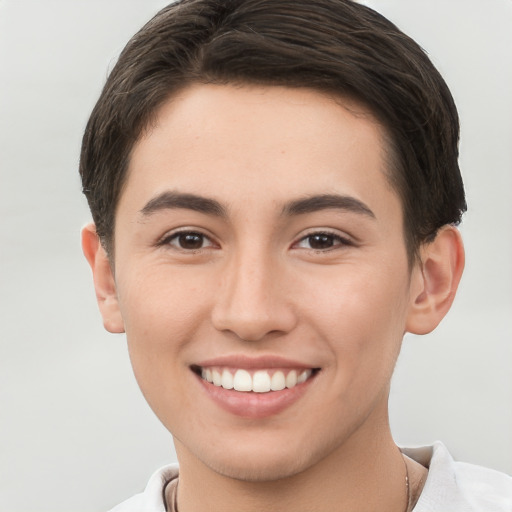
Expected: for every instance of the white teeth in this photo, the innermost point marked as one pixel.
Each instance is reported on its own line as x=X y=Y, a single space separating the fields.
x=278 y=381
x=227 y=380
x=242 y=381
x=261 y=381
x=303 y=377
x=291 y=379
x=217 y=378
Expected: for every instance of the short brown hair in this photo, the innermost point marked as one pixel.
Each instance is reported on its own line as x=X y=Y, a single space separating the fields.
x=335 y=46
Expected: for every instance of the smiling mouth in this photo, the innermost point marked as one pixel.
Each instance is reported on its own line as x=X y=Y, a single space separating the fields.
x=257 y=381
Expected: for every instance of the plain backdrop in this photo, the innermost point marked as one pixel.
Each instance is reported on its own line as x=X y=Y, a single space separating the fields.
x=75 y=432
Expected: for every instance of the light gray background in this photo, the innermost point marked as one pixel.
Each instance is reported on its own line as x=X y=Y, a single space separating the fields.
x=75 y=433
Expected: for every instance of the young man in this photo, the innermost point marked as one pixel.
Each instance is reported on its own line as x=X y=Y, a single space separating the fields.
x=275 y=188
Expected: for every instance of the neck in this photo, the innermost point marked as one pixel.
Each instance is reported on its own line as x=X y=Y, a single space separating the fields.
x=366 y=473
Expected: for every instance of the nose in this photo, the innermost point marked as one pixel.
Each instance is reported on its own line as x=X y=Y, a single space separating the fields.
x=252 y=299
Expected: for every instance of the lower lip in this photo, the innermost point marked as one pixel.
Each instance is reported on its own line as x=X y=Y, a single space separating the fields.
x=255 y=405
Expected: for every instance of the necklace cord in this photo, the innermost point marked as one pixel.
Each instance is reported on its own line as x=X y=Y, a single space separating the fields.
x=408 y=492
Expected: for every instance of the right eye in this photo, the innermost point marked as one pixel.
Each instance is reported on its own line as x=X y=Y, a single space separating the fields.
x=188 y=241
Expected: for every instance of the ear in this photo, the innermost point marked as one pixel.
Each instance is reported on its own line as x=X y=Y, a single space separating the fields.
x=104 y=282
x=434 y=280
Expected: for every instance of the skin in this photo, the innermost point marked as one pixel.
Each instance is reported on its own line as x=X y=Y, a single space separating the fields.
x=257 y=285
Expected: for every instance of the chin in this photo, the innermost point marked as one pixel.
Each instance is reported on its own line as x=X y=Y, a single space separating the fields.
x=258 y=471
x=260 y=465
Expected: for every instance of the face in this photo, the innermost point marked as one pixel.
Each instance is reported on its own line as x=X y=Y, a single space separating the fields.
x=259 y=245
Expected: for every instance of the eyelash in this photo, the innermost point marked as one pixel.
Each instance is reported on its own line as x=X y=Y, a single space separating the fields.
x=335 y=239
x=167 y=240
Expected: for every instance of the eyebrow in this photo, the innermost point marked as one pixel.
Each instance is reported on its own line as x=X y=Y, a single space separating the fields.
x=175 y=200
x=178 y=200
x=326 y=202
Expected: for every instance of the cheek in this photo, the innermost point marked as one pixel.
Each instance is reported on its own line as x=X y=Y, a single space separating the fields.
x=160 y=299
x=361 y=314
x=162 y=312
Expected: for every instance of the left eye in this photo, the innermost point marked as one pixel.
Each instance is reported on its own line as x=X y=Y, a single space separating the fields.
x=322 y=241
x=189 y=241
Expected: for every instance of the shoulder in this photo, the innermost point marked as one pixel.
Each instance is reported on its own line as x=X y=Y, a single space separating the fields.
x=152 y=498
x=458 y=486
x=485 y=488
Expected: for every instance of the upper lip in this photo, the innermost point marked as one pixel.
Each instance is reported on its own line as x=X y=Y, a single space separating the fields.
x=255 y=362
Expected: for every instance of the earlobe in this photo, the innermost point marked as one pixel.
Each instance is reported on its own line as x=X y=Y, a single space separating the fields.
x=435 y=280
x=104 y=282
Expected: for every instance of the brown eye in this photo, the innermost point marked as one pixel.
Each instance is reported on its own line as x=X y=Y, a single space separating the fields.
x=189 y=241
x=321 y=241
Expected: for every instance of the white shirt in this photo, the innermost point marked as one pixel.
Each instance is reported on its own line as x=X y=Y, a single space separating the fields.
x=450 y=487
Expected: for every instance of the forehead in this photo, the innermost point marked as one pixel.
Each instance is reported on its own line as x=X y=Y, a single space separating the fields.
x=265 y=144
